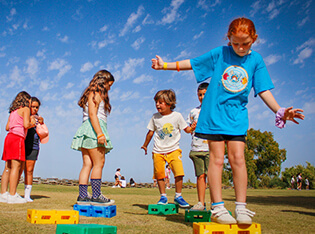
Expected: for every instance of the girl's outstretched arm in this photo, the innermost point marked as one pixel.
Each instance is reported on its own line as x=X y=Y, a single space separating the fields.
x=93 y=107
x=159 y=64
x=288 y=113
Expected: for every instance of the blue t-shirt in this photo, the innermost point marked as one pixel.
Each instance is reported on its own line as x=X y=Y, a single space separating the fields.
x=223 y=109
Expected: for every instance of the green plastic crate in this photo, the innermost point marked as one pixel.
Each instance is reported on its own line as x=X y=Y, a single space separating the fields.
x=197 y=216
x=85 y=229
x=163 y=209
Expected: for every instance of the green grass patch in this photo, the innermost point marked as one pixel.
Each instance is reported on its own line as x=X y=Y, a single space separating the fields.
x=278 y=211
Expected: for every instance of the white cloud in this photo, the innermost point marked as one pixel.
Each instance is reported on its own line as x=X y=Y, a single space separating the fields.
x=274 y=14
x=148 y=20
x=137 y=29
x=131 y=20
x=16 y=78
x=69 y=85
x=71 y=95
x=136 y=45
x=45 y=85
x=129 y=68
x=306 y=50
x=45 y=29
x=298 y=92
x=255 y=8
x=303 y=21
x=32 y=67
x=171 y=12
x=12 y=13
x=143 y=78
x=184 y=54
x=104 y=28
x=78 y=14
x=61 y=65
x=206 y=5
x=129 y=95
x=271 y=59
x=64 y=39
x=198 y=35
x=41 y=54
x=309 y=108
x=86 y=67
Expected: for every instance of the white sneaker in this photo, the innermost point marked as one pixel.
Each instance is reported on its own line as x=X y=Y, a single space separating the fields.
x=221 y=215
x=28 y=199
x=15 y=199
x=4 y=197
x=198 y=206
x=243 y=215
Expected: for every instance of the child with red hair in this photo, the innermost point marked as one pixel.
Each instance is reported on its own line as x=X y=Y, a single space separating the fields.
x=223 y=119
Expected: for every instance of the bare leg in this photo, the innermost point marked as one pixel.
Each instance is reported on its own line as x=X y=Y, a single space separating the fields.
x=86 y=168
x=161 y=184
x=215 y=168
x=201 y=188
x=5 y=177
x=14 y=175
x=238 y=165
x=98 y=159
x=178 y=184
x=28 y=172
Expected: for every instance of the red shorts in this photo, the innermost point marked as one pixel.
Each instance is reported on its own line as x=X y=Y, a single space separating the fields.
x=14 y=148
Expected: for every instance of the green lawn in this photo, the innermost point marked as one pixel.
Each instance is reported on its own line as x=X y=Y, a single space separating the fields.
x=278 y=211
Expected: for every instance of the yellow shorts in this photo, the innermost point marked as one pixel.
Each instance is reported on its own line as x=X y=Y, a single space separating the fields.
x=174 y=159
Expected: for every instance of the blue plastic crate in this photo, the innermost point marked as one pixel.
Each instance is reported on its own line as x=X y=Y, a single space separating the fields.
x=96 y=211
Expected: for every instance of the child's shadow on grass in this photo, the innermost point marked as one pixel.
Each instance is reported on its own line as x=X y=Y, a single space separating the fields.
x=35 y=197
x=177 y=218
x=300 y=212
x=295 y=201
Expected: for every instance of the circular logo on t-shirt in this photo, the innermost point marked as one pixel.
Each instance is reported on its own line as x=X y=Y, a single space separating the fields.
x=168 y=128
x=235 y=79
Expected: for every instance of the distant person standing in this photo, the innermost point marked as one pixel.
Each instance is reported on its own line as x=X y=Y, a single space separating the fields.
x=307 y=183
x=117 y=178
x=32 y=142
x=92 y=138
x=299 y=181
x=292 y=182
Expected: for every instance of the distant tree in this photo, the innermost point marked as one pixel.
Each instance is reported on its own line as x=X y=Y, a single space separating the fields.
x=308 y=171
x=263 y=158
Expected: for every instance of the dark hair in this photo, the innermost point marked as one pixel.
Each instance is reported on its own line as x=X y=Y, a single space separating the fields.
x=99 y=84
x=35 y=99
x=203 y=86
x=118 y=169
x=22 y=99
x=168 y=96
x=122 y=178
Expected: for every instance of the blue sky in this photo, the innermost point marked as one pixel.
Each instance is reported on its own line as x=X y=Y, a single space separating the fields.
x=52 y=49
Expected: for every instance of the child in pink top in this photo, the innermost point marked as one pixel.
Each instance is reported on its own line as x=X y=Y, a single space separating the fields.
x=14 y=148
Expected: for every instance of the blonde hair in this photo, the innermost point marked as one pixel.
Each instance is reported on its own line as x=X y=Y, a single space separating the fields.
x=168 y=96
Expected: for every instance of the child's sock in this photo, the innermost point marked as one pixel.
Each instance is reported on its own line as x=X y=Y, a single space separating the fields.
x=83 y=190
x=96 y=187
x=27 y=191
x=217 y=205
x=163 y=195
x=240 y=205
x=177 y=195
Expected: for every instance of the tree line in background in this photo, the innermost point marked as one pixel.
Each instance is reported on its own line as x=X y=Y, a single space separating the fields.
x=263 y=161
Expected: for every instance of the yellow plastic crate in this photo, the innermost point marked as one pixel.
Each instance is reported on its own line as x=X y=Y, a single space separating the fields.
x=215 y=228
x=52 y=216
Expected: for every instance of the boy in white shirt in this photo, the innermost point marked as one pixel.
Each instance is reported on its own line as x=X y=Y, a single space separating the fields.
x=167 y=124
x=199 y=153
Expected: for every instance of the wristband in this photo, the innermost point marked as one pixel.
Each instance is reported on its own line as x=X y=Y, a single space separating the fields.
x=164 y=66
x=99 y=136
x=177 y=66
x=280 y=123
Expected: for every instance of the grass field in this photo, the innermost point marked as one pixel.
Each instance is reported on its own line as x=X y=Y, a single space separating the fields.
x=278 y=211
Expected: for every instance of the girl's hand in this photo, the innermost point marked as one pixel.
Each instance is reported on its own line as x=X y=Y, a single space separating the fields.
x=290 y=114
x=193 y=126
x=40 y=119
x=33 y=121
x=157 y=63
x=101 y=140
x=145 y=150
